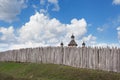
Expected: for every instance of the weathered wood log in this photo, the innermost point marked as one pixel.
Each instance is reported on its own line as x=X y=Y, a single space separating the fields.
x=107 y=59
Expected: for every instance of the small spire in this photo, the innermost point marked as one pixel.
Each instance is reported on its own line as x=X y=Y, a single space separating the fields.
x=61 y=44
x=72 y=36
x=83 y=44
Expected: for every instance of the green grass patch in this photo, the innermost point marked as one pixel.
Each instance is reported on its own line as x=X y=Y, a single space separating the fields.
x=32 y=71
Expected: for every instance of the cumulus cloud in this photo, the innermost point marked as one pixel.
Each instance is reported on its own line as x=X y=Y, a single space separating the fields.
x=78 y=27
x=43 y=31
x=44 y=28
x=7 y=34
x=9 y=11
x=50 y=30
x=116 y=2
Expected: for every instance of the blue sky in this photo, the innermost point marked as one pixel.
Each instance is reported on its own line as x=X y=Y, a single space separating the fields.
x=34 y=23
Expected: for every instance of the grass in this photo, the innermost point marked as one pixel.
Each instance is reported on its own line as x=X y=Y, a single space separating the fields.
x=32 y=71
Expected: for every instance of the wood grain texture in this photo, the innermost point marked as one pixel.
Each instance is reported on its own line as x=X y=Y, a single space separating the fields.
x=107 y=59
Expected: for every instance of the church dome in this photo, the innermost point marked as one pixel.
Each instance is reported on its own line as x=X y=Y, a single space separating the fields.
x=72 y=36
x=72 y=42
x=83 y=43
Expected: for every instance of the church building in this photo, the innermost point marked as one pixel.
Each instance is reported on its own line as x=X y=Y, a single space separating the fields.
x=72 y=42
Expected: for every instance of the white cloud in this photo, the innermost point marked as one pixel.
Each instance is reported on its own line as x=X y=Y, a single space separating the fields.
x=34 y=6
x=26 y=45
x=90 y=40
x=45 y=29
x=7 y=34
x=55 y=3
x=42 y=31
x=9 y=9
x=49 y=5
x=116 y=2
x=118 y=31
x=3 y=46
x=100 y=29
x=104 y=45
x=44 y=11
x=42 y=2
x=77 y=27
x=118 y=28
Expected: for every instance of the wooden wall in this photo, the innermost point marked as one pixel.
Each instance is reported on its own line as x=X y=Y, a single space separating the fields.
x=107 y=59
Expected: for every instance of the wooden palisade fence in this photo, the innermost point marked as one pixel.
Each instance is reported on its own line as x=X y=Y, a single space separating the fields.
x=107 y=59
